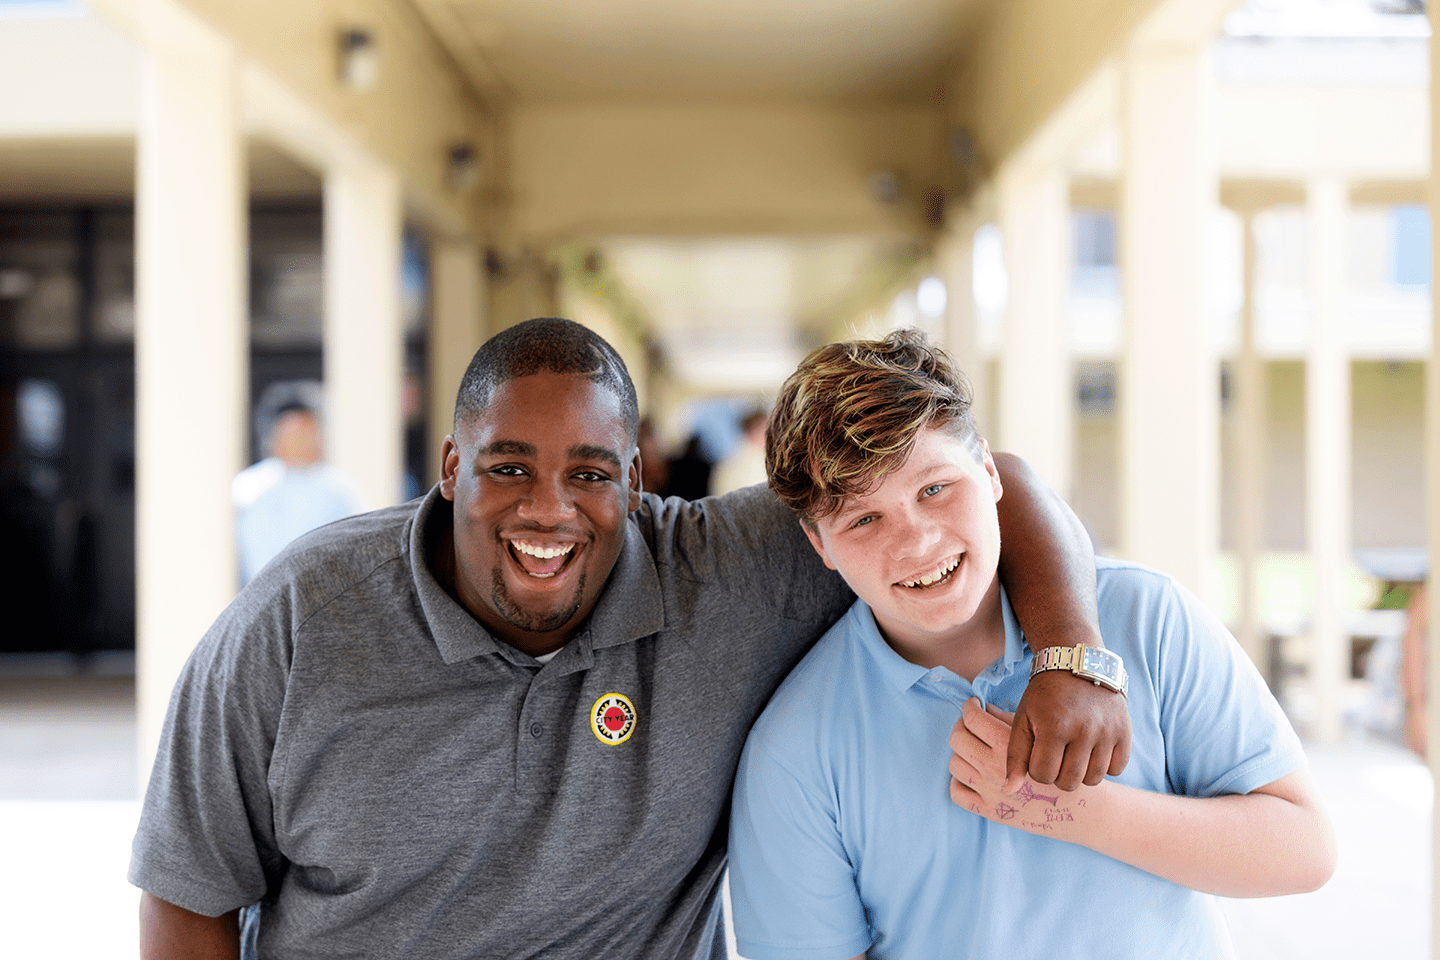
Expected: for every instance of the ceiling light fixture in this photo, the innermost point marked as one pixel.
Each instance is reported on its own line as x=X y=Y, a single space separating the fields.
x=462 y=167
x=359 y=59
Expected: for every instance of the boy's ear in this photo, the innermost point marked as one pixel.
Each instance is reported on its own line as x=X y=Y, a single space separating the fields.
x=816 y=542
x=990 y=468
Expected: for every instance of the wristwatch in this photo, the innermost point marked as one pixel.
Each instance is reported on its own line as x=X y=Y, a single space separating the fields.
x=1097 y=664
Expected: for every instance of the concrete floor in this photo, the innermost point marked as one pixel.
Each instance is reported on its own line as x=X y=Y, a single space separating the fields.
x=69 y=802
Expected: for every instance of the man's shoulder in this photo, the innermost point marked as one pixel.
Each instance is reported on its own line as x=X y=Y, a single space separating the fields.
x=336 y=557
x=744 y=545
x=694 y=522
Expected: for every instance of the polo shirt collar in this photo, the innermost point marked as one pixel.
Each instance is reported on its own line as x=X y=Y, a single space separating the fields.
x=630 y=606
x=902 y=674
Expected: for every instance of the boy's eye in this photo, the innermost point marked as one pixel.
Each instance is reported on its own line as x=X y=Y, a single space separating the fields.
x=933 y=489
x=863 y=521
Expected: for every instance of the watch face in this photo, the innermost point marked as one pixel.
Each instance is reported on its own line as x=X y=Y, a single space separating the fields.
x=1103 y=663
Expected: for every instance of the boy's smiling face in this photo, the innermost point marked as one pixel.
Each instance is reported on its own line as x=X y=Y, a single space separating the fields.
x=922 y=548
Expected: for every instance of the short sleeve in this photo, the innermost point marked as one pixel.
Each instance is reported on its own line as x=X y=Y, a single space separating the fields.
x=206 y=836
x=1224 y=731
x=792 y=884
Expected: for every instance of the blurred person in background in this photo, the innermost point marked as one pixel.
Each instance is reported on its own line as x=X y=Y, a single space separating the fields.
x=744 y=465
x=293 y=490
x=689 y=473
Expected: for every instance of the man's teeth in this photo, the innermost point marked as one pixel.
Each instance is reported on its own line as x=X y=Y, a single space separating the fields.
x=939 y=574
x=544 y=553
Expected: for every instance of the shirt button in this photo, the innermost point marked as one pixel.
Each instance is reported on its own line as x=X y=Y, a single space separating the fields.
x=536 y=729
x=937 y=677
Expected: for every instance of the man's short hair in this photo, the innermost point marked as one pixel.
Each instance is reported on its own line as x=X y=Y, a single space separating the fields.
x=850 y=414
x=552 y=344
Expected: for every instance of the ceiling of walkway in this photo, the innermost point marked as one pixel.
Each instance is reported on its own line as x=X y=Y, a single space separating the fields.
x=730 y=313
x=737 y=314
x=577 y=50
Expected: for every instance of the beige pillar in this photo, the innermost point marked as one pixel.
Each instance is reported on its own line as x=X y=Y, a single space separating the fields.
x=457 y=328
x=1432 y=472
x=1327 y=449
x=1248 y=406
x=363 y=338
x=1035 y=416
x=1169 y=404
x=962 y=322
x=190 y=353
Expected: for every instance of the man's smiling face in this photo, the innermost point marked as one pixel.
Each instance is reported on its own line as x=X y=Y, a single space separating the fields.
x=542 y=480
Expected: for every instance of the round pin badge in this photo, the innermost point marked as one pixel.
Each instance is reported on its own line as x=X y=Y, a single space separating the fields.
x=613 y=718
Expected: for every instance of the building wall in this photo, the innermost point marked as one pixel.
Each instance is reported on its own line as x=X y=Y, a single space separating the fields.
x=1388 y=469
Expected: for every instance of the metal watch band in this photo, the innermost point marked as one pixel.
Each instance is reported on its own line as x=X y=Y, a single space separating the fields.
x=1072 y=659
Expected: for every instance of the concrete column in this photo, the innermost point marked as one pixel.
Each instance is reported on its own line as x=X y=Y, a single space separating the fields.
x=1327 y=449
x=1248 y=405
x=363 y=338
x=962 y=322
x=1036 y=405
x=1432 y=471
x=190 y=347
x=1169 y=407
x=457 y=328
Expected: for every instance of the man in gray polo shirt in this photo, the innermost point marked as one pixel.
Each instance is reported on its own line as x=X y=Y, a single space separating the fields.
x=504 y=721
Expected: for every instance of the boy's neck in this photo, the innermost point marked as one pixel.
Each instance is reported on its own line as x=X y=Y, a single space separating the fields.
x=967 y=649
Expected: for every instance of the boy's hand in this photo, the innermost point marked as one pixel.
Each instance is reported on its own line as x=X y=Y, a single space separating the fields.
x=1067 y=731
x=978 y=783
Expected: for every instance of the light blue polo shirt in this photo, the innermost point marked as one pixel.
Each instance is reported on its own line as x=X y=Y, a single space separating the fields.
x=844 y=838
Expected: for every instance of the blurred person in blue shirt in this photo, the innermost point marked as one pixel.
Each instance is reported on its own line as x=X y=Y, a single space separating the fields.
x=293 y=490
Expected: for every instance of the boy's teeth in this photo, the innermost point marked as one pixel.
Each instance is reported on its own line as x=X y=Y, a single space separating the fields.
x=935 y=577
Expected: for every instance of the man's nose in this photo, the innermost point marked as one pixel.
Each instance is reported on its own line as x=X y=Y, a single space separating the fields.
x=549 y=502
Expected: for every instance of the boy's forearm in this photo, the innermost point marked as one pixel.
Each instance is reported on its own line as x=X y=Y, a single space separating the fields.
x=1275 y=840
x=1047 y=562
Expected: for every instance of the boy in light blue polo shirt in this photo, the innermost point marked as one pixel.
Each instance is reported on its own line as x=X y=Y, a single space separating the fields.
x=871 y=815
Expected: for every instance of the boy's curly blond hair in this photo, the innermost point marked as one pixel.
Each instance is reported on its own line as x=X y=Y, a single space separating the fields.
x=849 y=415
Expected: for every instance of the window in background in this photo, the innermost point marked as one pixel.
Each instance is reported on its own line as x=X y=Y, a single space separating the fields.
x=1095 y=271
x=1410 y=245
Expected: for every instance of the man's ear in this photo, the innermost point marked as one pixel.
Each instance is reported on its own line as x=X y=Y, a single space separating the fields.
x=990 y=468
x=449 y=467
x=633 y=481
x=817 y=543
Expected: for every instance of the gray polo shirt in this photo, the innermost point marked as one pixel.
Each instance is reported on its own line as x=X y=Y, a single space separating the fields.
x=349 y=748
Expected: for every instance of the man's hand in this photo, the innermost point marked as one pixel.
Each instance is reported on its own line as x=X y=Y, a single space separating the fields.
x=1067 y=730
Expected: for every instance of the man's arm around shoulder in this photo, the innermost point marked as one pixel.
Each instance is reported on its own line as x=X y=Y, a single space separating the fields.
x=1067 y=730
x=168 y=932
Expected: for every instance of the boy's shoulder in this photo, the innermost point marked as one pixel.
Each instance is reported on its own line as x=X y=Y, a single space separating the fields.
x=822 y=688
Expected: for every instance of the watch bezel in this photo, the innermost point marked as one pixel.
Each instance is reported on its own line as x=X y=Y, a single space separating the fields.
x=1101 y=666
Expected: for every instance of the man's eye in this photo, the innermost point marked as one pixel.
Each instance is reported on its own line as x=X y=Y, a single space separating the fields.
x=506 y=470
x=591 y=476
x=863 y=521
